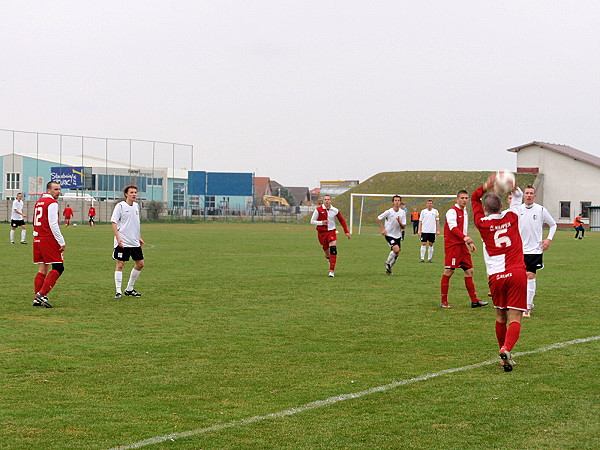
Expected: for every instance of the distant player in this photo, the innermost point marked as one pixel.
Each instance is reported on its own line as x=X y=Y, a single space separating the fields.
x=92 y=216
x=414 y=218
x=531 y=225
x=324 y=218
x=578 y=226
x=503 y=253
x=395 y=222
x=128 y=241
x=429 y=228
x=48 y=244
x=68 y=213
x=17 y=219
x=405 y=209
x=457 y=248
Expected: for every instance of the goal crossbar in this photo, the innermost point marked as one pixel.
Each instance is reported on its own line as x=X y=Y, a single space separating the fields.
x=362 y=196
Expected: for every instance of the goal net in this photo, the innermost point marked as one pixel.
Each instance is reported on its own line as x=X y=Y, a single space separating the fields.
x=364 y=209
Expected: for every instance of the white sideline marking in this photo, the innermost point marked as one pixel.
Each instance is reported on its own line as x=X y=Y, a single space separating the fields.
x=340 y=398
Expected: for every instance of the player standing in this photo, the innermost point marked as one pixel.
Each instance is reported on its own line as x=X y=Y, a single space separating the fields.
x=395 y=222
x=17 y=219
x=414 y=218
x=128 y=241
x=68 y=213
x=48 y=244
x=429 y=228
x=503 y=253
x=324 y=218
x=457 y=245
x=531 y=224
x=92 y=215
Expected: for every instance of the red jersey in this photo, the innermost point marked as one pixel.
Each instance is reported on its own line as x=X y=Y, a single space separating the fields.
x=68 y=212
x=92 y=211
x=455 y=228
x=45 y=219
x=320 y=214
x=503 y=248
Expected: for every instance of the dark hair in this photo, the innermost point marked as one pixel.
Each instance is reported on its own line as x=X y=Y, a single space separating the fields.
x=396 y=196
x=126 y=190
x=492 y=203
x=530 y=186
x=50 y=183
x=327 y=195
x=462 y=191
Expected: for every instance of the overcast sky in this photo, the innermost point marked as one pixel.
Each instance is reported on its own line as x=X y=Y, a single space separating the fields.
x=307 y=90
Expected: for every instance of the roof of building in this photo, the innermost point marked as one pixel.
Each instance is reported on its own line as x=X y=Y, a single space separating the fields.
x=299 y=193
x=563 y=150
x=260 y=186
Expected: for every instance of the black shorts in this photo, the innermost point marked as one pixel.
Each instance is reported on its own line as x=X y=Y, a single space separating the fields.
x=91 y=219
x=428 y=237
x=533 y=262
x=393 y=241
x=124 y=253
x=17 y=223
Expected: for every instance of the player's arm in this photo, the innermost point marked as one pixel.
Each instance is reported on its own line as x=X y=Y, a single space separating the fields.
x=315 y=216
x=343 y=224
x=476 y=196
x=517 y=199
x=402 y=220
x=114 y=219
x=54 y=227
x=437 y=225
x=419 y=231
x=549 y=220
x=380 y=217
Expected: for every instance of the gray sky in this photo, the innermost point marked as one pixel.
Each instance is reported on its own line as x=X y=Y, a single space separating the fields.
x=312 y=89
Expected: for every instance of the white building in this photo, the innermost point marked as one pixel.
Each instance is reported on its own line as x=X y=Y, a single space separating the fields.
x=567 y=180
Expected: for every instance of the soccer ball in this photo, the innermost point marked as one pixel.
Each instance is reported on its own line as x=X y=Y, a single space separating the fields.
x=504 y=182
x=74 y=224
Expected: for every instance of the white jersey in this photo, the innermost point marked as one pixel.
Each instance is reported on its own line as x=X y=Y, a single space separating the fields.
x=127 y=219
x=16 y=206
x=531 y=223
x=428 y=220
x=393 y=219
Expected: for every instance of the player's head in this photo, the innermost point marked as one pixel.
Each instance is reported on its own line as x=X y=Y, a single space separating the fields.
x=492 y=203
x=53 y=188
x=529 y=195
x=397 y=200
x=327 y=200
x=19 y=196
x=462 y=198
x=429 y=204
x=130 y=192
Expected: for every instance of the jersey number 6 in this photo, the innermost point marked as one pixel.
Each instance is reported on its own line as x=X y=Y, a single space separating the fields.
x=499 y=240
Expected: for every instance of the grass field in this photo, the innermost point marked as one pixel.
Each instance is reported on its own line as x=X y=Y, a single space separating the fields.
x=241 y=320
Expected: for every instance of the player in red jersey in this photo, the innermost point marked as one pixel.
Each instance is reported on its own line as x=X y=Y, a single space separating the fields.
x=92 y=215
x=48 y=244
x=457 y=245
x=324 y=218
x=503 y=253
x=68 y=213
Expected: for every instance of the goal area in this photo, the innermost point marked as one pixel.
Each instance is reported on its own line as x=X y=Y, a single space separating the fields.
x=364 y=209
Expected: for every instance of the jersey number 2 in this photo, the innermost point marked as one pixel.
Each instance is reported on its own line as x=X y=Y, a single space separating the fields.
x=499 y=240
x=39 y=211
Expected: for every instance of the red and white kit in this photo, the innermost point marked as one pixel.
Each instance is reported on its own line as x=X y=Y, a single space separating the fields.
x=47 y=238
x=327 y=233
x=455 y=230
x=503 y=252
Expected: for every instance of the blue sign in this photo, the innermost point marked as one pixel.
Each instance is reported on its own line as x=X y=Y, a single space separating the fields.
x=68 y=177
x=220 y=183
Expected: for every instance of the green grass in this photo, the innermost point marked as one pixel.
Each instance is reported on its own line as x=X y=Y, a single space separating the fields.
x=240 y=320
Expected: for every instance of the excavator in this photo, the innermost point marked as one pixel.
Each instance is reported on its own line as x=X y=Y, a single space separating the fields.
x=271 y=200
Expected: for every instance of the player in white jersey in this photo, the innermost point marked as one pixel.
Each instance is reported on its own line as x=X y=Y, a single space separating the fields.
x=531 y=223
x=429 y=228
x=395 y=222
x=17 y=219
x=128 y=241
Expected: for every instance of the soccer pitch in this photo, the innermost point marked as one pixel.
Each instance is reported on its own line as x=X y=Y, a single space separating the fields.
x=239 y=332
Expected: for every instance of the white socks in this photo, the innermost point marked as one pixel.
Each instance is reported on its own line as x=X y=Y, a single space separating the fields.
x=430 y=252
x=23 y=235
x=132 y=279
x=391 y=259
x=12 y=235
x=531 y=285
x=423 y=251
x=118 y=280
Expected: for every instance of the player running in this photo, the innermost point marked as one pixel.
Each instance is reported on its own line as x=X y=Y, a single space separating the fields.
x=324 y=218
x=48 y=244
x=395 y=223
x=503 y=254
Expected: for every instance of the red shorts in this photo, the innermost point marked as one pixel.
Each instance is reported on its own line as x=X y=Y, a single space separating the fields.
x=325 y=237
x=509 y=289
x=46 y=251
x=458 y=256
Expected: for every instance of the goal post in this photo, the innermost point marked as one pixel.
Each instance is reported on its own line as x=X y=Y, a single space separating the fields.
x=364 y=208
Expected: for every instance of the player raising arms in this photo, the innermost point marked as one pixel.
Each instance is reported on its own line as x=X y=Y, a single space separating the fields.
x=324 y=218
x=395 y=222
x=48 y=244
x=503 y=253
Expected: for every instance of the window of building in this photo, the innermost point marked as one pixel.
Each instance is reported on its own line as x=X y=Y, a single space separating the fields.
x=565 y=210
x=178 y=194
x=209 y=203
x=584 y=209
x=153 y=181
x=13 y=181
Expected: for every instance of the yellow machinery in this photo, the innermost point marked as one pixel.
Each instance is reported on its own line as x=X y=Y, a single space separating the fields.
x=271 y=200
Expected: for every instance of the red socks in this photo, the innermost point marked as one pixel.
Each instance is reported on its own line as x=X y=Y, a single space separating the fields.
x=471 y=289
x=500 y=333
x=512 y=335
x=49 y=282
x=444 y=288
x=38 y=282
x=332 y=261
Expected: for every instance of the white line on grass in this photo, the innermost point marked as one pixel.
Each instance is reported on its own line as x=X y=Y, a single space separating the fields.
x=340 y=398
